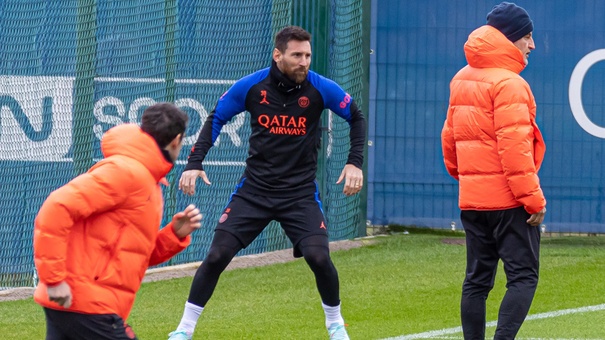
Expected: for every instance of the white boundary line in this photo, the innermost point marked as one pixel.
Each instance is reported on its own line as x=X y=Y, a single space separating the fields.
x=180 y=162
x=222 y=163
x=437 y=333
x=162 y=80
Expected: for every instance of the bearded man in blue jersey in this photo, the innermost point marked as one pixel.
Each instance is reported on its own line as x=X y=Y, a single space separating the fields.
x=285 y=102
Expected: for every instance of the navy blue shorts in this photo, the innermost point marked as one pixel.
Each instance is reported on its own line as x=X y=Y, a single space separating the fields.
x=64 y=325
x=247 y=214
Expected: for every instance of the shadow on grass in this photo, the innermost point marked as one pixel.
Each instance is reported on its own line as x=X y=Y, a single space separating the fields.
x=573 y=241
x=548 y=239
x=403 y=229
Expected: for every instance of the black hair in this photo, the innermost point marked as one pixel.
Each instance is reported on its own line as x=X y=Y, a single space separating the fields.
x=163 y=122
x=290 y=33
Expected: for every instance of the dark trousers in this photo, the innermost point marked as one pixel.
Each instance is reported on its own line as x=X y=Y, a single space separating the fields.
x=315 y=250
x=492 y=236
x=246 y=216
x=63 y=325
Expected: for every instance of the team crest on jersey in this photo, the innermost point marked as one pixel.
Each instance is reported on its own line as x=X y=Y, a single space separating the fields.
x=303 y=102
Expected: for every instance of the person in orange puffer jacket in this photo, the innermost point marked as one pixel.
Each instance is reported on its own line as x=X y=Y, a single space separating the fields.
x=492 y=145
x=95 y=237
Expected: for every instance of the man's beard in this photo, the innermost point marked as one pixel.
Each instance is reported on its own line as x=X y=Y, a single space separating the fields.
x=298 y=76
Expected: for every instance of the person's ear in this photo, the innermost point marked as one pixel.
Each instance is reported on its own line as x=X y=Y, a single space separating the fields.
x=276 y=54
x=175 y=142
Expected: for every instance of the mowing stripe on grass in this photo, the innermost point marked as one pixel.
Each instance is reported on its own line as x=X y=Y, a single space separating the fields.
x=454 y=330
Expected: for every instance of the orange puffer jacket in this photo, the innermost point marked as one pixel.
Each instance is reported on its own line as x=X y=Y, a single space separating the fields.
x=101 y=230
x=490 y=139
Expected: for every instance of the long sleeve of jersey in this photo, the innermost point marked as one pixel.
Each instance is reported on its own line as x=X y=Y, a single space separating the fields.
x=357 y=135
x=204 y=142
x=341 y=103
x=229 y=105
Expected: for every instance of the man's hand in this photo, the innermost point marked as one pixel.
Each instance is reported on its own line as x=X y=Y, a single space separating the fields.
x=61 y=294
x=537 y=218
x=353 y=177
x=186 y=221
x=188 y=178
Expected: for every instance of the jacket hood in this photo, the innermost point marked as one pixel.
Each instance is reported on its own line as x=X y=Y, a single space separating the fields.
x=130 y=141
x=487 y=47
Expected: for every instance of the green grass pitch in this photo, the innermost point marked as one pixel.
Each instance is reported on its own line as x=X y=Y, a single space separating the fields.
x=399 y=285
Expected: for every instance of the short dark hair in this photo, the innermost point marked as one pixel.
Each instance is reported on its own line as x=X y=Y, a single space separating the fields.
x=163 y=122
x=290 y=33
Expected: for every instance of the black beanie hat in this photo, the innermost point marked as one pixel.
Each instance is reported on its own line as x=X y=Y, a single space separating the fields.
x=510 y=19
